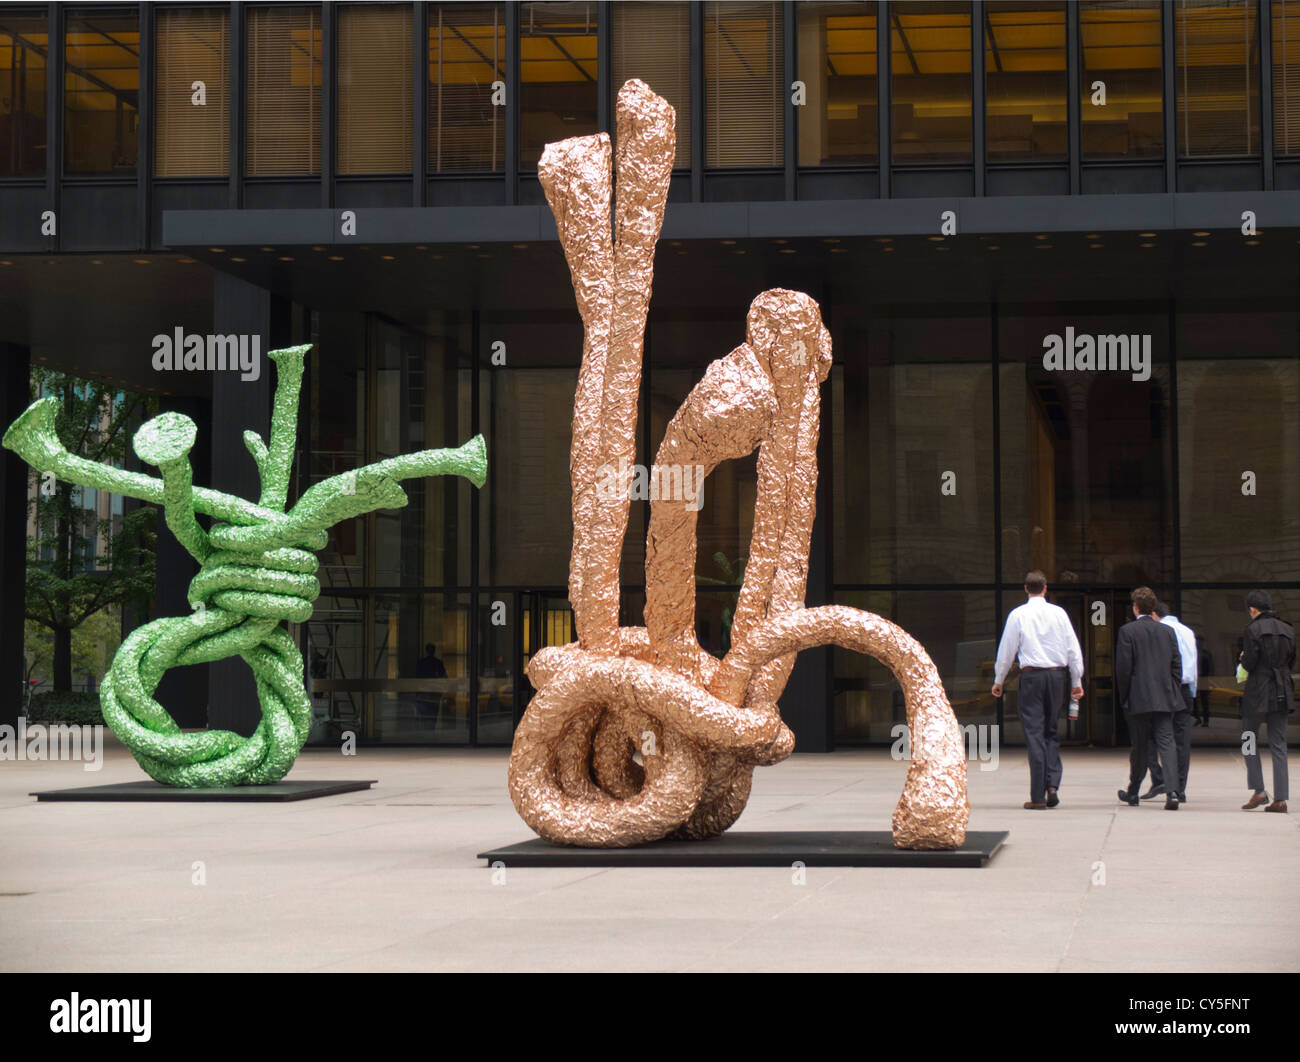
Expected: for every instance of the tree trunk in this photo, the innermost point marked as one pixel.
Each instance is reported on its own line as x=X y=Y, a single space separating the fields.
x=63 y=658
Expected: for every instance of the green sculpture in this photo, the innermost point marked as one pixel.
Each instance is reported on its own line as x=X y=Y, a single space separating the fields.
x=257 y=571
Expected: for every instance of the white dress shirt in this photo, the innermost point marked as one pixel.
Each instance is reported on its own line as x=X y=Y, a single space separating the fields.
x=1186 y=649
x=1041 y=635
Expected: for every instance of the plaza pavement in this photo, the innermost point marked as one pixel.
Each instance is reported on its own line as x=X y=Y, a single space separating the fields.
x=388 y=880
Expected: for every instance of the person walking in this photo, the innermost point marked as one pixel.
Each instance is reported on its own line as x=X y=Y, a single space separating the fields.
x=1040 y=636
x=1268 y=658
x=1148 y=673
x=1182 y=721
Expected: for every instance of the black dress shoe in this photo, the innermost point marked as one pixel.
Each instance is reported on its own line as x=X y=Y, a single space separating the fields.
x=1052 y=798
x=1155 y=791
x=1182 y=797
x=1126 y=798
x=1171 y=803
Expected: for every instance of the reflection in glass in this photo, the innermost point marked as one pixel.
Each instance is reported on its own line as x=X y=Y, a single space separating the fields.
x=1024 y=73
x=467 y=53
x=1286 y=77
x=24 y=43
x=1239 y=413
x=913 y=459
x=557 y=74
x=1219 y=617
x=652 y=41
x=190 y=141
x=931 y=81
x=374 y=88
x=101 y=92
x=1122 y=50
x=283 y=106
x=837 y=64
x=959 y=631
x=1217 y=47
x=1086 y=454
x=744 y=99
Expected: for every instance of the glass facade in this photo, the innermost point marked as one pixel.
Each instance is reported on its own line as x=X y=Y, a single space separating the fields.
x=1122 y=111
x=101 y=57
x=1025 y=81
x=1217 y=47
x=192 y=131
x=931 y=96
x=467 y=55
x=24 y=45
x=839 y=122
x=558 y=91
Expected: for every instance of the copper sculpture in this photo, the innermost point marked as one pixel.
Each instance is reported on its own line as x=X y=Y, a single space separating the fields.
x=638 y=734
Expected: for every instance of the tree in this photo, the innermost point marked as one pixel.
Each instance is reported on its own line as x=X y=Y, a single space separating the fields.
x=69 y=579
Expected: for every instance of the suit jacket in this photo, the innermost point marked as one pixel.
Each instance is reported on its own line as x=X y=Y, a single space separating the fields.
x=1268 y=655
x=1148 y=668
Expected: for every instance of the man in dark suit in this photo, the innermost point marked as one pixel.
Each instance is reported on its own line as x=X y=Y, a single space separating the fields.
x=1148 y=672
x=1267 y=656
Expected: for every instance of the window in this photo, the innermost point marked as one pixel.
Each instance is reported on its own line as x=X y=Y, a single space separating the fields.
x=557 y=73
x=1122 y=91
x=1024 y=75
x=374 y=89
x=192 y=134
x=652 y=41
x=744 y=96
x=1286 y=77
x=1218 y=78
x=837 y=64
x=467 y=53
x=930 y=55
x=23 y=45
x=101 y=92
x=283 y=108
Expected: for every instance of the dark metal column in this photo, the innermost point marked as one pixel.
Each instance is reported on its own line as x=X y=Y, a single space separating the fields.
x=15 y=394
x=512 y=111
x=977 y=94
x=884 y=97
x=1266 y=91
x=145 y=115
x=604 y=88
x=1073 y=118
x=237 y=53
x=240 y=308
x=54 y=121
x=791 y=138
x=697 y=101
x=328 y=23
x=1168 y=58
x=420 y=104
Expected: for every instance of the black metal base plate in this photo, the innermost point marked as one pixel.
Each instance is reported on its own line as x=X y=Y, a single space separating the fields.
x=277 y=792
x=741 y=848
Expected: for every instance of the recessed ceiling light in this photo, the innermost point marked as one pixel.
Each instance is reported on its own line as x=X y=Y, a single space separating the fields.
x=137 y=261
x=1147 y=235
x=1252 y=243
x=1091 y=236
x=839 y=250
x=336 y=258
x=1096 y=245
x=943 y=248
x=386 y=257
x=1146 y=244
x=780 y=241
x=266 y=249
x=217 y=250
x=1198 y=243
x=1200 y=234
x=728 y=243
x=472 y=246
x=318 y=248
x=187 y=261
x=93 y=261
x=994 y=247
x=1042 y=247
x=236 y=258
x=935 y=239
x=1040 y=236
x=830 y=239
x=286 y=258
x=6 y=262
x=886 y=248
x=787 y=250
x=884 y=239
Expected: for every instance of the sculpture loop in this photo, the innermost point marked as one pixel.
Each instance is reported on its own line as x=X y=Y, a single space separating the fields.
x=257 y=571
x=637 y=734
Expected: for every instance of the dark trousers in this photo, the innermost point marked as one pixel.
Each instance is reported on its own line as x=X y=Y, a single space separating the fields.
x=1277 y=746
x=1042 y=693
x=1143 y=727
x=1182 y=724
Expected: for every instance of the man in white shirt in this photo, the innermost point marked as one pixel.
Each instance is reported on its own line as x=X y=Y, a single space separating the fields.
x=1041 y=637
x=1182 y=720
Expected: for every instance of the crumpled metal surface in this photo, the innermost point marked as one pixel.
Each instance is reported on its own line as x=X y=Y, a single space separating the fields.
x=257 y=571
x=637 y=734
